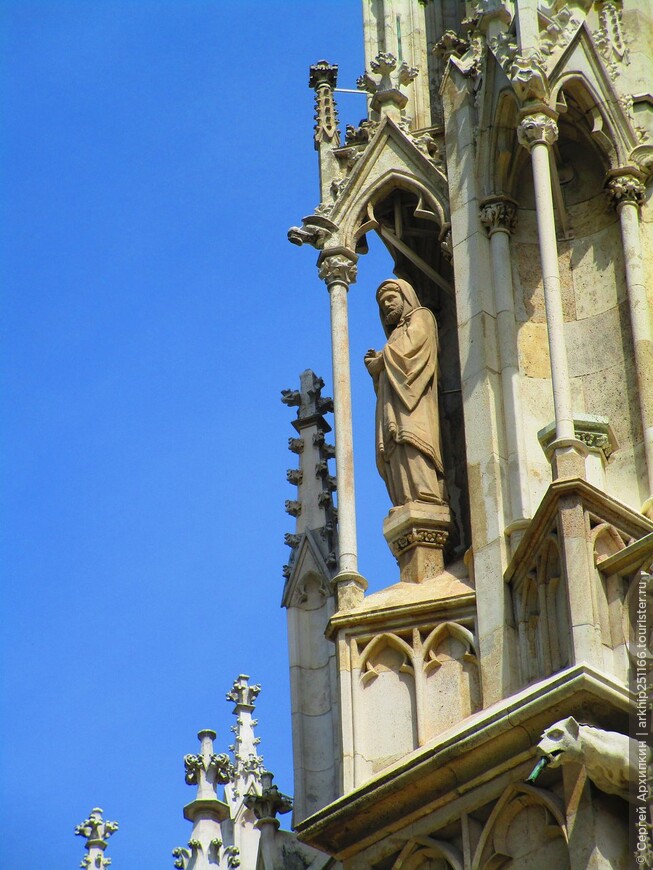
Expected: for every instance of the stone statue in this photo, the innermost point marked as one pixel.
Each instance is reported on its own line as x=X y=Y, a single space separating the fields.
x=610 y=758
x=405 y=373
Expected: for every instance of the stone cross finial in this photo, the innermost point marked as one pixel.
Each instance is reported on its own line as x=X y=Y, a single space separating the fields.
x=387 y=98
x=241 y=693
x=383 y=66
x=96 y=831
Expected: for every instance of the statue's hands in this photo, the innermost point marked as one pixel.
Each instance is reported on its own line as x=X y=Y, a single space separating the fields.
x=373 y=360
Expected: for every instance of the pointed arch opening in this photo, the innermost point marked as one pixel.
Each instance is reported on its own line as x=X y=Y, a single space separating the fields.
x=410 y=220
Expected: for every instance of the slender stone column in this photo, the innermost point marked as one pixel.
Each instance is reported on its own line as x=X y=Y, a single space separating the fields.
x=338 y=270
x=627 y=191
x=537 y=132
x=499 y=216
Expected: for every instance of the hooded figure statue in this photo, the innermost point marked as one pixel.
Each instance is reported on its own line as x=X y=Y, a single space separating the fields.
x=408 y=454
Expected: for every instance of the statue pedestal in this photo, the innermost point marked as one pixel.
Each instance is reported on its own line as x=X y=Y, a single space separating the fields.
x=416 y=533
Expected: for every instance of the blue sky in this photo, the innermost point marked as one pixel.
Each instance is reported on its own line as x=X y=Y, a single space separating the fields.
x=153 y=156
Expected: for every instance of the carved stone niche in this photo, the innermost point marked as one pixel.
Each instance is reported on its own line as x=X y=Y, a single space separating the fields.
x=541 y=614
x=578 y=532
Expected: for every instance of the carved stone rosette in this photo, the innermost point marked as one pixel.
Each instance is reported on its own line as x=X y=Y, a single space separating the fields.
x=499 y=214
x=537 y=128
x=626 y=188
x=337 y=268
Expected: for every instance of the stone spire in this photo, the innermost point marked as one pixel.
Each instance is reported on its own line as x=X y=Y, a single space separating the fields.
x=207 y=812
x=248 y=763
x=313 y=507
x=96 y=831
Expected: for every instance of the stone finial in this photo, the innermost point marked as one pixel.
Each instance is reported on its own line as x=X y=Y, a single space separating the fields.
x=207 y=770
x=322 y=79
x=387 y=97
x=383 y=66
x=241 y=693
x=310 y=402
x=248 y=764
x=97 y=831
x=536 y=128
x=271 y=802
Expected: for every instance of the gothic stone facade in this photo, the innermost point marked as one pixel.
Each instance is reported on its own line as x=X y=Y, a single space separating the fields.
x=505 y=164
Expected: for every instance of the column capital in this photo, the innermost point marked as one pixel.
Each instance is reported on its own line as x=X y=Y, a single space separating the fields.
x=536 y=128
x=499 y=214
x=337 y=265
x=625 y=186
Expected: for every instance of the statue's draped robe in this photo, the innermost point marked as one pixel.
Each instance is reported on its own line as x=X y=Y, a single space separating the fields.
x=407 y=426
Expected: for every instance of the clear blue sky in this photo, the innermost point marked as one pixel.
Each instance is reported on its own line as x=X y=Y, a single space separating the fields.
x=154 y=155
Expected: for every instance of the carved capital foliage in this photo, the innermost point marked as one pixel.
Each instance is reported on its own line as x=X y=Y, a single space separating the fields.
x=499 y=214
x=337 y=268
x=537 y=128
x=626 y=188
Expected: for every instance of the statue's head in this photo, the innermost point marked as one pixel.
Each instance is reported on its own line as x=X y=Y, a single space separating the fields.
x=396 y=298
x=561 y=742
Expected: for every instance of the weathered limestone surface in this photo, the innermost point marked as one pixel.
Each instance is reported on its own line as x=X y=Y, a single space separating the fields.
x=522 y=218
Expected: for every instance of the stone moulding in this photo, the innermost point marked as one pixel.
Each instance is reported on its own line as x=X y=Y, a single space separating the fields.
x=400 y=616
x=449 y=767
x=594 y=431
x=594 y=500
